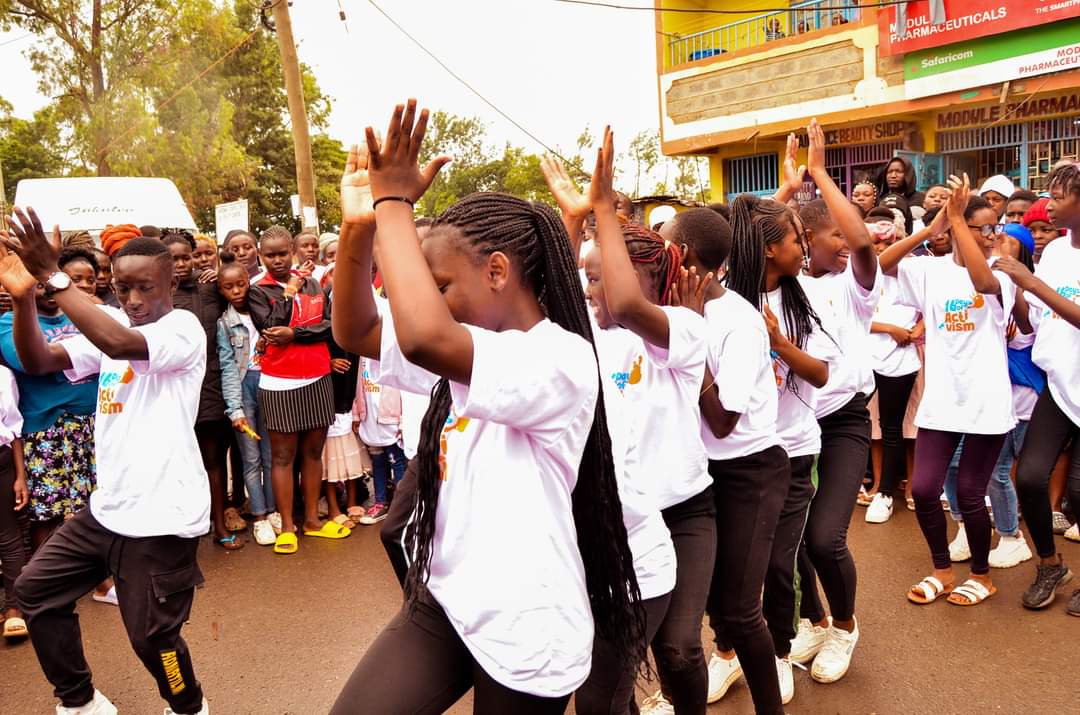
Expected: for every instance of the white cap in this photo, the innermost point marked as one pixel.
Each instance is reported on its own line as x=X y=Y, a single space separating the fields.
x=1000 y=183
x=661 y=214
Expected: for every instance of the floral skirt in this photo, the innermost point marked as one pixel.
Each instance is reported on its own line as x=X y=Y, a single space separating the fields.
x=60 y=467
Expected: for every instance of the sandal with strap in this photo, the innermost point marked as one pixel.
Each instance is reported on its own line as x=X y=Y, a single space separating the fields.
x=928 y=590
x=233 y=520
x=864 y=498
x=972 y=592
x=229 y=543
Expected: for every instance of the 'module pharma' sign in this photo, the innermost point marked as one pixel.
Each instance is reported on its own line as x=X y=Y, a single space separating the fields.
x=1054 y=105
x=992 y=60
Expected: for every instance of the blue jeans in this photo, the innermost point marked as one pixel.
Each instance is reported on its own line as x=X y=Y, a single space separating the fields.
x=256 y=454
x=382 y=462
x=1001 y=490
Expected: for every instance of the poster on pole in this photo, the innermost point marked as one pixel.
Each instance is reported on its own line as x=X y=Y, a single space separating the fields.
x=230 y=216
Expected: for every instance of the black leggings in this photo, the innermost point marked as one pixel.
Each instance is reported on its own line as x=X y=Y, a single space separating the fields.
x=824 y=554
x=1047 y=435
x=610 y=687
x=12 y=552
x=778 y=598
x=893 y=395
x=419 y=665
x=392 y=532
x=680 y=659
x=749 y=494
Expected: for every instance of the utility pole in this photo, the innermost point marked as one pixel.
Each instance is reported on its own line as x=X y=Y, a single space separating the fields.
x=305 y=174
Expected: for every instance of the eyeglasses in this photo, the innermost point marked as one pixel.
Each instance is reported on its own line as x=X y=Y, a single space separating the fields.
x=989 y=229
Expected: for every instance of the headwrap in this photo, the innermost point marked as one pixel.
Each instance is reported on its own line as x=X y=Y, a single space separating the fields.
x=1037 y=212
x=113 y=238
x=1021 y=234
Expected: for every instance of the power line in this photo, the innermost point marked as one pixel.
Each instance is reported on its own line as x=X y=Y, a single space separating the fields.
x=749 y=11
x=472 y=89
x=16 y=39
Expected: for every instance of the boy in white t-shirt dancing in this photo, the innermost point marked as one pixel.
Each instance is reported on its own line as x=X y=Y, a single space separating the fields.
x=152 y=501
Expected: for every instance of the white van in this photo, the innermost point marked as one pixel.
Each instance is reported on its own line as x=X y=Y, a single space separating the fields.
x=91 y=203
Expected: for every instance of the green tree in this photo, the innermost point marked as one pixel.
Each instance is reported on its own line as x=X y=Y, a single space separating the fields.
x=29 y=149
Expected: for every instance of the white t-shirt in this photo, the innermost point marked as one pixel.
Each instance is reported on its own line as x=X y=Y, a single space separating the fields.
x=11 y=421
x=505 y=564
x=648 y=535
x=372 y=432
x=1057 y=342
x=796 y=424
x=150 y=477
x=850 y=309
x=739 y=359
x=887 y=358
x=253 y=339
x=413 y=408
x=967 y=370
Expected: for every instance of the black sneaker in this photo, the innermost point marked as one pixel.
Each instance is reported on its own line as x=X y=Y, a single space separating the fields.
x=1041 y=593
x=1073 y=609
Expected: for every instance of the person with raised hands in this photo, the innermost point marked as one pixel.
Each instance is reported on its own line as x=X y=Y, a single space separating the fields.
x=794 y=172
x=152 y=500
x=573 y=205
x=842 y=284
x=966 y=307
x=488 y=314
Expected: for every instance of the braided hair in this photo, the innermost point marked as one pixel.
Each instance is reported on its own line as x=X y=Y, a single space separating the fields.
x=662 y=258
x=533 y=237
x=755 y=224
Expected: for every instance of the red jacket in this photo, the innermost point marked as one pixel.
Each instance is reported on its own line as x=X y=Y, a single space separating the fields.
x=308 y=314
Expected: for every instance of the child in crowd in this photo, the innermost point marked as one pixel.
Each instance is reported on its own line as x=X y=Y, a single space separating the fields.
x=81 y=266
x=1018 y=204
x=328 y=249
x=205 y=255
x=997 y=190
x=509 y=423
x=14 y=496
x=306 y=252
x=1042 y=227
x=243 y=245
x=104 y=279
x=344 y=459
x=377 y=412
x=935 y=198
x=238 y=344
x=864 y=195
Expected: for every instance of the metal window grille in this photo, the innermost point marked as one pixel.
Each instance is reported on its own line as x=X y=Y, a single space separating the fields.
x=758 y=174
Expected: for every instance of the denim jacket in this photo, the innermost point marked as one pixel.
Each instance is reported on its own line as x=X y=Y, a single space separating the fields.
x=234 y=347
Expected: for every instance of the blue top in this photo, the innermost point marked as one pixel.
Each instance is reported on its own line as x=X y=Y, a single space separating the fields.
x=43 y=398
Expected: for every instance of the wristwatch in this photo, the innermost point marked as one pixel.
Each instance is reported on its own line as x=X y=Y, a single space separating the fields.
x=58 y=281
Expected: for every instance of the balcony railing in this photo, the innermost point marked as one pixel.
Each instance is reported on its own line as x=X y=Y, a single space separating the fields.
x=756 y=31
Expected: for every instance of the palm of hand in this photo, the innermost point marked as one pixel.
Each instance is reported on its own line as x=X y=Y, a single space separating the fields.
x=14 y=276
x=568 y=196
x=357 y=203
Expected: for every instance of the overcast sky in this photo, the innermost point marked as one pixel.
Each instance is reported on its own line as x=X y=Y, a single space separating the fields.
x=552 y=67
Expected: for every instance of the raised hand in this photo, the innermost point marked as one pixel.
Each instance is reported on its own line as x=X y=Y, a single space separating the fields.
x=960 y=192
x=16 y=280
x=688 y=291
x=26 y=238
x=572 y=203
x=356 y=201
x=392 y=165
x=794 y=173
x=815 y=157
x=602 y=189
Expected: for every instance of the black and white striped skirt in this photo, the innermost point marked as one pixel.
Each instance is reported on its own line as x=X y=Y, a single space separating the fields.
x=305 y=408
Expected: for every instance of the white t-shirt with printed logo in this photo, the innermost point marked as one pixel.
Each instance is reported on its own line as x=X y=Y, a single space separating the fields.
x=619 y=350
x=850 y=309
x=505 y=564
x=150 y=476
x=372 y=432
x=886 y=357
x=1057 y=343
x=966 y=366
x=739 y=359
x=796 y=423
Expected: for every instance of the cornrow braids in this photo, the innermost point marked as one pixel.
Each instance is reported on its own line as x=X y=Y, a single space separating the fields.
x=534 y=239
x=755 y=224
x=663 y=258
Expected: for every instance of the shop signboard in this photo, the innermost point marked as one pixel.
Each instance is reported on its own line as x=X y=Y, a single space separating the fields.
x=922 y=24
x=1018 y=55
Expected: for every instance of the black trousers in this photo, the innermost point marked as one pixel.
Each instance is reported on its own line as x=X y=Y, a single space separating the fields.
x=155 y=583
x=824 y=554
x=680 y=659
x=1049 y=432
x=392 y=531
x=610 y=687
x=778 y=598
x=419 y=665
x=12 y=551
x=893 y=395
x=749 y=493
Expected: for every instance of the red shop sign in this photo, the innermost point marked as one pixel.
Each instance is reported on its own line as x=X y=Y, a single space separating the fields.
x=932 y=23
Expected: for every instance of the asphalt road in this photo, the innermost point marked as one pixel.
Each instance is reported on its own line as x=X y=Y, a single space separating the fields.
x=273 y=634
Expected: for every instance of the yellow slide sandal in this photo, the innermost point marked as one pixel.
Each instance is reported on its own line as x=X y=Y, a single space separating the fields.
x=285 y=544
x=330 y=530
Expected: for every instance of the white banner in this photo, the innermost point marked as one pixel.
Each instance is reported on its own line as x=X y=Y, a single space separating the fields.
x=230 y=216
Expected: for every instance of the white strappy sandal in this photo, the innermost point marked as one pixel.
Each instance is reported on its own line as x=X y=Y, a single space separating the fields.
x=931 y=590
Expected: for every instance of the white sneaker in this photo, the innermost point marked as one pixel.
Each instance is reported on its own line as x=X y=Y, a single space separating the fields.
x=1060 y=521
x=1010 y=551
x=959 y=549
x=656 y=705
x=786 y=680
x=833 y=661
x=808 y=641
x=264 y=532
x=275 y=521
x=722 y=675
x=100 y=705
x=204 y=710
x=880 y=509
x=1073 y=533
x=108 y=597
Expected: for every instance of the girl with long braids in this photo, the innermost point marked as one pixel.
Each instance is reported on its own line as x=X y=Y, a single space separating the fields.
x=765 y=263
x=517 y=548
x=652 y=356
